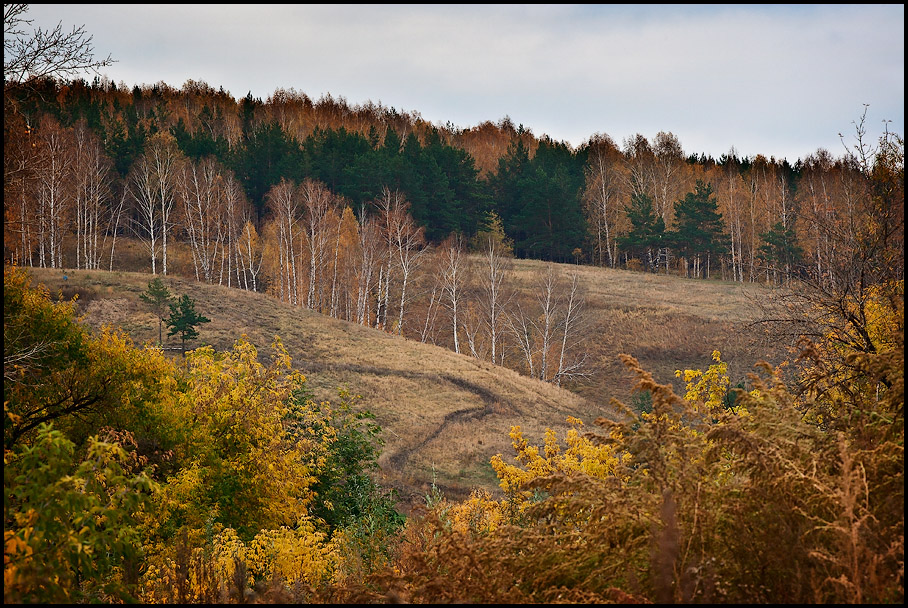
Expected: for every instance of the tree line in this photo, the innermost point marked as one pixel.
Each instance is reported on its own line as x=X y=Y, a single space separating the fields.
x=378 y=218
x=78 y=151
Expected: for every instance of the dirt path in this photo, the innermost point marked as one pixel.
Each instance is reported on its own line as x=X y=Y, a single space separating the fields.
x=488 y=398
x=399 y=459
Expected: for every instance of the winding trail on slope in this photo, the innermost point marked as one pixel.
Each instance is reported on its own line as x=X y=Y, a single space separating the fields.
x=399 y=459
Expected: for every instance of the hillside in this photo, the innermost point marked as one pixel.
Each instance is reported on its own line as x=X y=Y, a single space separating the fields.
x=445 y=415
x=666 y=322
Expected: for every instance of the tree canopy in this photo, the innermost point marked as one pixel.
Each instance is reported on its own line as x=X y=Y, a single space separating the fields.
x=184 y=320
x=698 y=227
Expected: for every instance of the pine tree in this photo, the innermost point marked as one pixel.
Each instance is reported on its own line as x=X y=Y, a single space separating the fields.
x=159 y=298
x=184 y=319
x=539 y=200
x=699 y=227
x=780 y=250
x=648 y=229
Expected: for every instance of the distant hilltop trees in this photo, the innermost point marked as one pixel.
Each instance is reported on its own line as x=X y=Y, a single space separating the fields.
x=273 y=195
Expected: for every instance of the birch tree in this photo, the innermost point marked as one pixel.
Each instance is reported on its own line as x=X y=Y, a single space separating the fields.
x=604 y=178
x=93 y=196
x=203 y=214
x=369 y=250
x=667 y=173
x=404 y=241
x=494 y=266
x=641 y=160
x=522 y=331
x=547 y=297
x=433 y=276
x=409 y=242
x=731 y=194
x=237 y=212
x=453 y=273
x=54 y=191
x=317 y=204
x=283 y=204
x=116 y=215
x=549 y=334
x=154 y=185
x=572 y=358
x=343 y=280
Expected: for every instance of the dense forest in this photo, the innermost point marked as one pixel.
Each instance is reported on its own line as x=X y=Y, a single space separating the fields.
x=214 y=476
x=90 y=161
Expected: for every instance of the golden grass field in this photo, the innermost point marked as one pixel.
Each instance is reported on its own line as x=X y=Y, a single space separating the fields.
x=445 y=415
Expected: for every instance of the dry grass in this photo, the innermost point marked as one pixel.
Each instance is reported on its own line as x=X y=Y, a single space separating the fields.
x=445 y=415
x=664 y=321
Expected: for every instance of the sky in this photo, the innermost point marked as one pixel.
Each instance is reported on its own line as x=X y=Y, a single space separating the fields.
x=778 y=80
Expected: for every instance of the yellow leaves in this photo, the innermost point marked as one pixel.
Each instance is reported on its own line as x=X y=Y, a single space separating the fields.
x=26 y=519
x=479 y=514
x=580 y=456
x=884 y=310
x=510 y=477
x=300 y=554
x=707 y=390
x=16 y=547
x=242 y=466
x=846 y=369
x=297 y=554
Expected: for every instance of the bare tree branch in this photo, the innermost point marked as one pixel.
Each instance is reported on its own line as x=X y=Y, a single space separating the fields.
x=40 y=54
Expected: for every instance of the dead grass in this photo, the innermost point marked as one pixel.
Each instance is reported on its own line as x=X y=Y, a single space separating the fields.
x=406 y=384
x=666 y=322
x=445 y=415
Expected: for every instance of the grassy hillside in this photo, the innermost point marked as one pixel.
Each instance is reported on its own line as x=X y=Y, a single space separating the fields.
x=444 y=415
x=666 y=322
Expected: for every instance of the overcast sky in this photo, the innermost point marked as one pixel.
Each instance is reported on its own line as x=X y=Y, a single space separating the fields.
x=777 y=80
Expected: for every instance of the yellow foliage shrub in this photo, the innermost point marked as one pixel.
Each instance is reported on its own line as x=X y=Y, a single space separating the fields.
x=581 y=455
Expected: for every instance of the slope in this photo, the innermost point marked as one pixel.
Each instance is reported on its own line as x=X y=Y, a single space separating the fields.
x=443 y=415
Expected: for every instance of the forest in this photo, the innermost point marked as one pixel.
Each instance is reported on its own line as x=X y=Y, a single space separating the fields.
x=373 y=217
x=633 y=205
x=136 y=475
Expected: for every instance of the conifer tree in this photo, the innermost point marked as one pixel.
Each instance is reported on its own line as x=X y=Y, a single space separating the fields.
x=698 y=227
x=159 y=298
x=184 y=319
x=648 y=229
x=780 y=250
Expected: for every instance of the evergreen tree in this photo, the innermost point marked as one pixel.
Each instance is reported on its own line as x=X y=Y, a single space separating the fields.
x=200 y=144
x=159 y=298
x=266 y=156
x=342 y=161
x=647 y=233
x=453 y=197
x=538 y=200
x=184 y=319
x=698 y=228
x=124 y=138
x=780 y=250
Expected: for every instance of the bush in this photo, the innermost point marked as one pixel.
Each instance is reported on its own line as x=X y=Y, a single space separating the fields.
x=693 y=502
x=71 y=526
